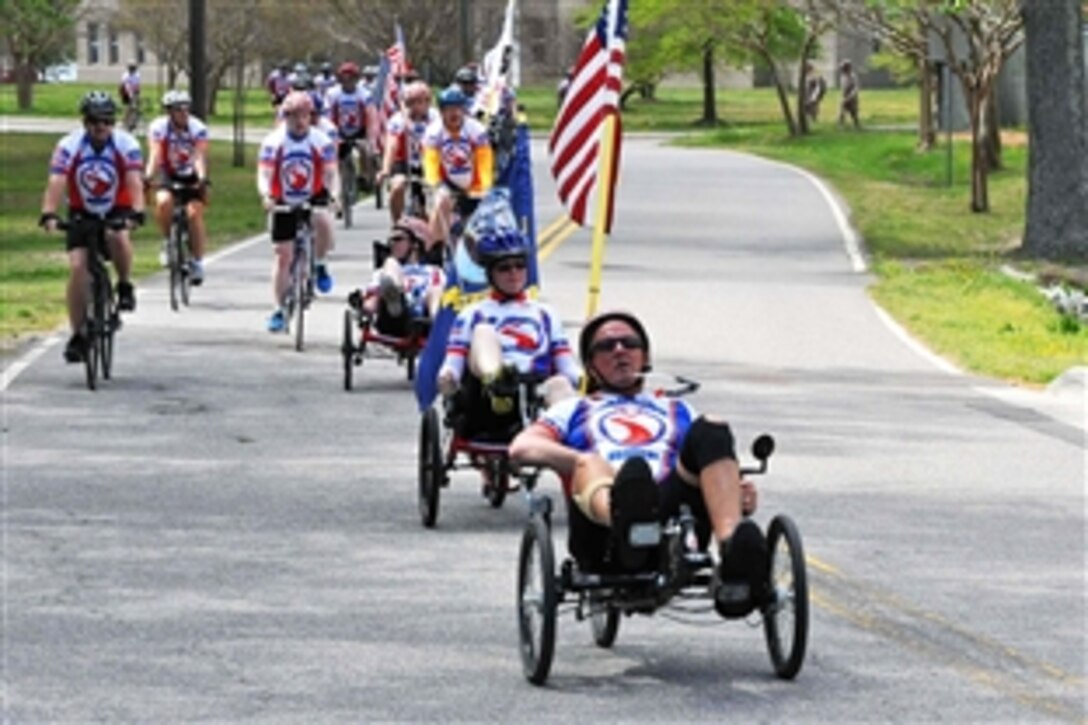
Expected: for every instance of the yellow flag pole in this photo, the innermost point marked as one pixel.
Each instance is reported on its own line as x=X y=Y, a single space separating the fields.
x=604 y=186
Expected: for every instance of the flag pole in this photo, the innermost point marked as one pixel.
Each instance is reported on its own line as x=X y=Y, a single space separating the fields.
x=604 y=191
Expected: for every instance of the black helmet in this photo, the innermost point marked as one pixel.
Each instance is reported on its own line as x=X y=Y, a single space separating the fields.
x=302 y=82
x=97 y=104
x=466 y=75
x=585 y=338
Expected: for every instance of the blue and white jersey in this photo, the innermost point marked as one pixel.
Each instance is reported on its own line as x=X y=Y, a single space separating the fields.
x=96 y=178
x=618 y=427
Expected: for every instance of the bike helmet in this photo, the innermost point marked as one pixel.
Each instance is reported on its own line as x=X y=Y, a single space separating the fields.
x=496 y=244
x=326 y=67
x=417 y=90
x=97 y=104
x=302 y=82
x=298 y=101
x=348 y=69
x=585 y=338
x=170 y=99
x=415 y=228
x=371 y=71
x=452 y=96
x=133 y=65
x=467 y=75
x=301 y=67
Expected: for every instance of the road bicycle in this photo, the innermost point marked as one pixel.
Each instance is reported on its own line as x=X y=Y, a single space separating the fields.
x=178 y=246
x=303 y=272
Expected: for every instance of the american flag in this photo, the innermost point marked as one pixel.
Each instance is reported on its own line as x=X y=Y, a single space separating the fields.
x=593 y=95
x=392 y=65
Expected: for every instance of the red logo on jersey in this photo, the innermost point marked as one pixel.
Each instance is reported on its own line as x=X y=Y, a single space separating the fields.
x=633 y=428
x=524 y=332
x=297 y=174
x=97 y=179
x=456 y=157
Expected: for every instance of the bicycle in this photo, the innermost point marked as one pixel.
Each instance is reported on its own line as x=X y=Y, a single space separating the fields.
x=102 y=319
x=300 y=287
x=133 y=116
x=178 y=251
x=349 y=180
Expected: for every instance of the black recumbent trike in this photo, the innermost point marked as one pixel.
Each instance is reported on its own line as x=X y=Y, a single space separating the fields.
x=679 y=579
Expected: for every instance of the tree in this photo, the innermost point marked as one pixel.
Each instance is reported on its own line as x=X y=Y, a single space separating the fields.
x=164 y=26
x=817 y=21
x=37 y=33
x=1057 y=206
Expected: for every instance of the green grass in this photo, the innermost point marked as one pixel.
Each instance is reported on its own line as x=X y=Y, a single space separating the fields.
x=936 y=262
x=33 y=266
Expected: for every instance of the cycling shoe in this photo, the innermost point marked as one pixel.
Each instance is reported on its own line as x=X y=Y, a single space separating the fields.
x=277 y=322
x=126 y=297
x=324 y=279
x=76 y=349
x=742 y=571
x=635 y=522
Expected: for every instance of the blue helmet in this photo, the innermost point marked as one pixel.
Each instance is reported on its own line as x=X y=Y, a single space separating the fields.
x=452 y=96
x=497 y=244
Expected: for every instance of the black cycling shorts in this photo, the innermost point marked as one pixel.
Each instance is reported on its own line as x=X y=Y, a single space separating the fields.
x=82 y=230
x=284 y=225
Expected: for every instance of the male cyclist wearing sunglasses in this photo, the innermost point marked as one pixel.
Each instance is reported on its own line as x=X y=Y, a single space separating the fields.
x=628 y=457
x=99 y=169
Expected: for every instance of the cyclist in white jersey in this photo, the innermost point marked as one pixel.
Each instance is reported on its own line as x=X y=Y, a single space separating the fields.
x=297 y=164
x=403 y=157
x=99 y=169
x=325 y=79
x=350 y=110
x=627 y=456
x=178 y=152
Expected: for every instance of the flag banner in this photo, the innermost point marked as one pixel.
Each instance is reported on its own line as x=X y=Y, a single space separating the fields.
x=592 y=96
x=501 y=65
x=466 y=281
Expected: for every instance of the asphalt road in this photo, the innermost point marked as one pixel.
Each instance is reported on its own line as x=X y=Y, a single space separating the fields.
x=221 y=532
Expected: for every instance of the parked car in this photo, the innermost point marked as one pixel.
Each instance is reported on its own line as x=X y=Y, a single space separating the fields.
x=60 y=73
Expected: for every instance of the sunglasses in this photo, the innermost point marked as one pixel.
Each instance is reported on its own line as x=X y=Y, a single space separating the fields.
x=102 y=121
x=608 y=344
x=399 y=238
x=510 y=266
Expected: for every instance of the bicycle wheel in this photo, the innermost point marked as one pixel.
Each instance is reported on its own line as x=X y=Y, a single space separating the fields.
x=174 y=265
x=537 y=601
x=498 y=482
x=299 y=285
x=105 y=344
x=347 y=348
x=183 y=261
x=431 y=472
x=785 y=616
x=348 y=189
x=90 y=336
x=379 y=196
x=604 y=621
x=410 y=365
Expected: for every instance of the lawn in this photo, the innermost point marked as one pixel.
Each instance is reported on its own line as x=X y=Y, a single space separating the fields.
x=33 y=267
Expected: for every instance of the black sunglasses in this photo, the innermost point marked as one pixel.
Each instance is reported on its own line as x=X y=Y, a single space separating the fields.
x=399 y=238
x=102 y=121
x=510 y=265
x=608 y=344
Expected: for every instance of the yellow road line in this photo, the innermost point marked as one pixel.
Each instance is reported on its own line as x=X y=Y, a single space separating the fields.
x=547 y=231
x=559 y=236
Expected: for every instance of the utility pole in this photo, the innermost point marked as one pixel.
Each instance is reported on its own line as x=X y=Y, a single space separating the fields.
x=197 y=57
x=466 y=32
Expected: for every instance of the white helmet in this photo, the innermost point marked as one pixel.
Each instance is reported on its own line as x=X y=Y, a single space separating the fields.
x=176 y=98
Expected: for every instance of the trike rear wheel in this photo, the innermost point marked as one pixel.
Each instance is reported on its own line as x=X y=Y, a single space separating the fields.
x=785 y=616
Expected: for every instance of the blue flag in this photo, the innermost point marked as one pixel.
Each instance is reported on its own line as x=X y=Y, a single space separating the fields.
x=466 y=282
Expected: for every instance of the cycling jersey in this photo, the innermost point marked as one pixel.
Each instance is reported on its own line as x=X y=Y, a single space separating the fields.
x=418 y=280
x=531 y=334
x=407 y=133
x=324 y=83
x=130 y=87
x=177 y=147
x=96 y=179
x=324 y=124
x=348 y=110
x=296 y=165
x=618 y=427
x=278 y=85
x=463 y=161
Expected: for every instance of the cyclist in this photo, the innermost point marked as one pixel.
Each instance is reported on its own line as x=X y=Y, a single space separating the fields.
x=99 y=167
x=178 y=152
x=325 y=79
x=457 y=162
x=404 y=289
x=504 y=333
x=129 y=90
x=468 y=81
x=665 y=455
x=350 y=109
x=370 y=74
x=297 y=164
x=278 y=83
x=403 y=145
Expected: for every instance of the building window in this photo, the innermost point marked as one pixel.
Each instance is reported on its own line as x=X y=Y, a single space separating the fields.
x=141 y=52
x=92 y=44
x=115 y=46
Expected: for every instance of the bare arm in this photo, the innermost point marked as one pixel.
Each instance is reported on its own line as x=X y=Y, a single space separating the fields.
x=54 y=193
x=134 y=184
x=200 y=163
x=536 y=446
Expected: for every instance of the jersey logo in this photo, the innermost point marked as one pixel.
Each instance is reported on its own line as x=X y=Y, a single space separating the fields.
x=521 y=334
x=297 y=173
x=455 y=157
x=96 y=178
x=631 y=428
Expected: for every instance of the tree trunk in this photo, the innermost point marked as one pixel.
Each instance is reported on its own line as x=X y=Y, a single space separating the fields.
x=927 y=134
x=1057 y=206
x=783 y=97
x=710 y=104
x=980 y=198
x=991 y=131
x=24 y=83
